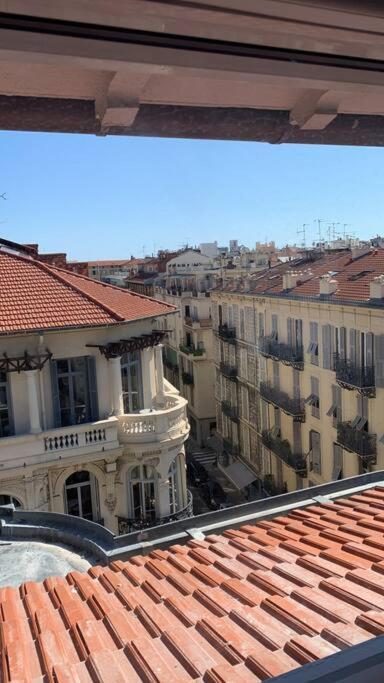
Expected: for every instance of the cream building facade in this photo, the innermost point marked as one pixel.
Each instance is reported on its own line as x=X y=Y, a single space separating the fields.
x=88 y=423
x=188 y=350
x=299 y=358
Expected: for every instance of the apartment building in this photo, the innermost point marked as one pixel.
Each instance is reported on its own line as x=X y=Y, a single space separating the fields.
x=88 y=424
x=188 y=349
x=299 y=355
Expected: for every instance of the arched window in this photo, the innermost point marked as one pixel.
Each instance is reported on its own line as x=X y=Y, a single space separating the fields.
x=5 y=499
x=142 y=484
x=81 y=495
x=131 y=380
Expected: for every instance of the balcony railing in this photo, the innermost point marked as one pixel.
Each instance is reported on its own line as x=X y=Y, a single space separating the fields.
x=195 y=322
x=227 y=333
x=229 y=371
x=191 y=350
x=359 y=442
x=170 y=365
x=230 y=411
x=291 y=406
x=126 y=524
x=58 y=444
x=270 y=348
x=282 y=448
x=352 y=376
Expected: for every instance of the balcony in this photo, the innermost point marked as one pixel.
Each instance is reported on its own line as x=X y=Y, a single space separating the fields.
x=127 y=525
x=282 y=448
x=191 y=350
x=196 y=322
x=349 y=375
x=270 y=348
x=356 y=441
x=229 y=371
x=230 y=411
x=170 y=365
x=291 y=406
x=227 y=334
x=58 y=444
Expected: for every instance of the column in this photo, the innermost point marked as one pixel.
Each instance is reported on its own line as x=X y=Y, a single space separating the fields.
x=33 y=401
x=163 y=498
x=148 y=377
x=116 y=385
x=159 y=373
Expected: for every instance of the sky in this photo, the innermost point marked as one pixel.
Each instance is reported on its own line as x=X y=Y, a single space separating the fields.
x=110 y=197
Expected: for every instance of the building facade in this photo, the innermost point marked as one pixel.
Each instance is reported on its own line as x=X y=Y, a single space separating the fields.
x=88 y=424
x=188 y=350
x=299 y=355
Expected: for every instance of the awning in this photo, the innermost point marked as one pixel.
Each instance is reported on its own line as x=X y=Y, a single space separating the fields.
x=239 y=474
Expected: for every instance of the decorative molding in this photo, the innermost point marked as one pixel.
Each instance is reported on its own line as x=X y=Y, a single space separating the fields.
x=118 y=348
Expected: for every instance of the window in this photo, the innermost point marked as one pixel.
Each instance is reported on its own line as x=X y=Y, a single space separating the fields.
x=80 y=494
x=142 y=492
x=313 y=347
x=245 y=403
x=274 y=329
x=337 y=470
x=335 y=409
x=242 y=324
x=276 y=375
x=5 y=424
x=315 y=451
x=131 y=380
x=261 y=324
x=74 y=390
x=5 y=499
x=313 y=399
x=360 y=423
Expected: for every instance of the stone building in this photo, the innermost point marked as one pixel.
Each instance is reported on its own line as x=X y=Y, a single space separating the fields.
x=88 y=424
x=299 y=356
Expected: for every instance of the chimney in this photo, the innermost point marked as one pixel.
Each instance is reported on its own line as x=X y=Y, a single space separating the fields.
x=361 y=250
x=376 y=288
x=290 y=279
x=327 y=285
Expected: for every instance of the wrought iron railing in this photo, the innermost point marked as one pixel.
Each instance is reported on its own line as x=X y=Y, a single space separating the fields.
x=282 y=448
x=360 y=442
x=227 y=333
x=229 y=371
x=292 y=406
x=191 y=350
x=126 y=524
x=230 y=411
x=270 y=348
x=350 y=375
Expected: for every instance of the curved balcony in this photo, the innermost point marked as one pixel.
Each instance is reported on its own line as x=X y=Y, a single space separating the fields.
x=282 y=449
x=349 y=375
x=291 y=406
x=270 y=348
x=126 y=524
x=362 y=443
x=155 y=424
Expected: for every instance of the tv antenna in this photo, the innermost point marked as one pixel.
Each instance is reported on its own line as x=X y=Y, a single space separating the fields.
x=302 y=231
x=319 y=221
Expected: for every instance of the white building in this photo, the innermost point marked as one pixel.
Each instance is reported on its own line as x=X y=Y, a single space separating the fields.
x=88 y=424
x=209 y=249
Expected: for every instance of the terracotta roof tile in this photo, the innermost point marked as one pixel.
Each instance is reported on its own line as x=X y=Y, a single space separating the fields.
x=210 y=610
x=38 y=296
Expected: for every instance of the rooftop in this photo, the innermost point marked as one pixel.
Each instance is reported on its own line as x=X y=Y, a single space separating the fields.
x=250 y=601
x=40 y=296
x=353 y=276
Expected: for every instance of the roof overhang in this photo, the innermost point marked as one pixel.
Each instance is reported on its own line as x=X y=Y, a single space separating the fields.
x=273 y=71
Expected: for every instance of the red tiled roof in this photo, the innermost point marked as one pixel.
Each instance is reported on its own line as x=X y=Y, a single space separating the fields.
x=38 y=296
x=270 y=281
x=245 y=605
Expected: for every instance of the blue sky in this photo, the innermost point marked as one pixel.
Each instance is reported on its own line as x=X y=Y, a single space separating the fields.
x=110 y=197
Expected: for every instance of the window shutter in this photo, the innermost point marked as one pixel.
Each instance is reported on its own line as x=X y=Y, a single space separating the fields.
x=55 y=394
x=261 y=324
x=343 y=342
x=369 y=349
x=290 y=323
x=274 y=326
x=379 y=360
x=92 y=386
x=326 y=332
x=316 y=453
x=296 y=384
x=337 y=461
x=276 y=375
x=299 y=333
x=297 y=438
x=264 y=415
x=332 y=347
x=352 y=345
